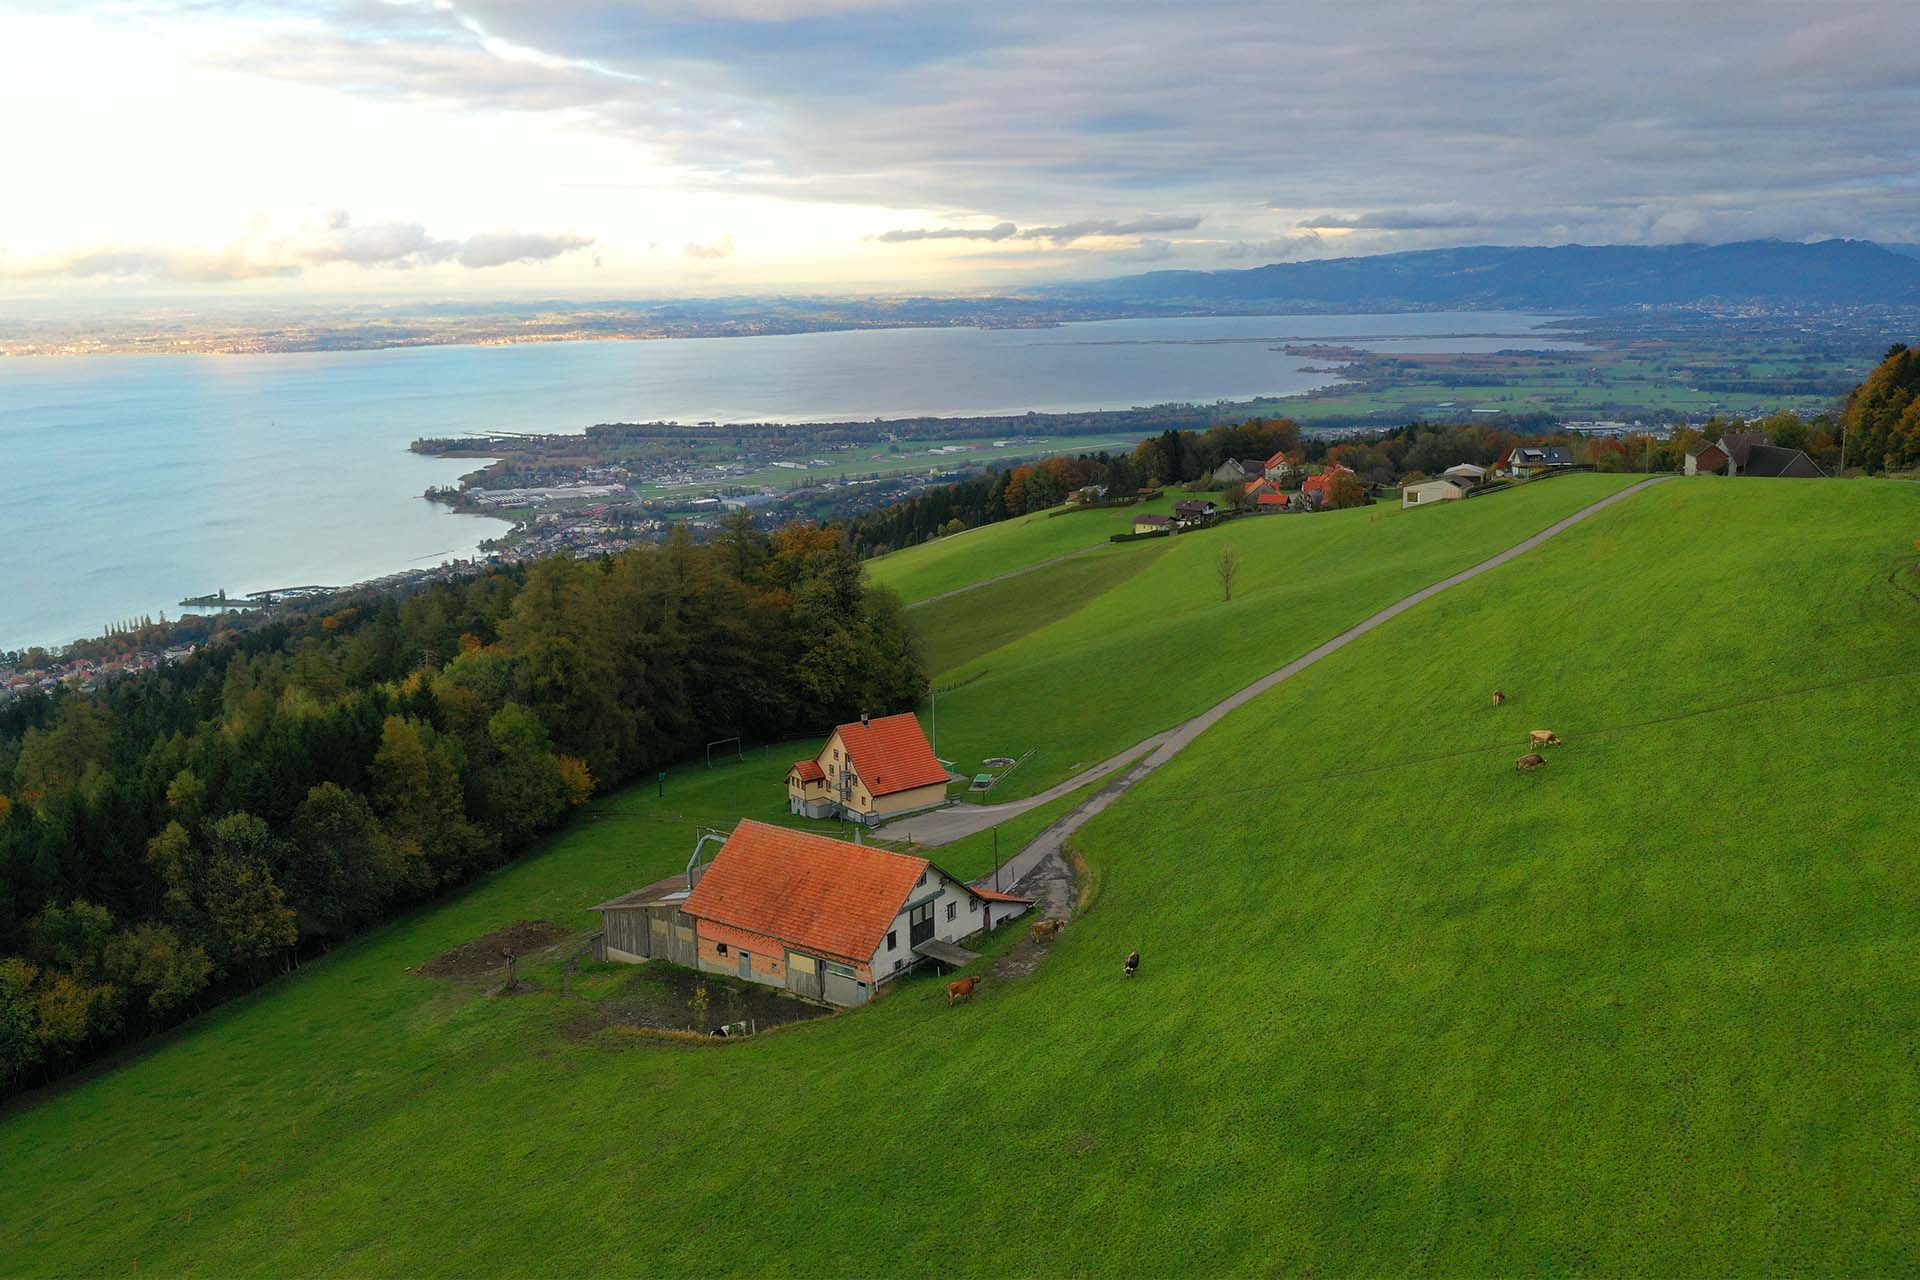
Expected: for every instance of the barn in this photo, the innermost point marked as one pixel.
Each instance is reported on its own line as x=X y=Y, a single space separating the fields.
x=827 y=919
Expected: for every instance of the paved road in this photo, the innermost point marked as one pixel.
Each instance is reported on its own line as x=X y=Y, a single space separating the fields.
x=1163 y=747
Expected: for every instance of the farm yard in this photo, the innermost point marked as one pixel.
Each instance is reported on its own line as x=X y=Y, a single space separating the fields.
x=1650 y=1008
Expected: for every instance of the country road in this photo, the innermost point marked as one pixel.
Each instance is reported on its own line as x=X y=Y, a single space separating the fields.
x=961 y=820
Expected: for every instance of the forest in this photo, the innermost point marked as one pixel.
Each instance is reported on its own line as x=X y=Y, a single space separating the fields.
x=188 y=833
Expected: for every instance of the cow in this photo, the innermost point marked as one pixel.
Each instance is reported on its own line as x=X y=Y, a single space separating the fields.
x=1044 y=929
x=1133 y=964
x=961 y=990
x=1529 y=762
x=1543 y=738
x=1498 y=697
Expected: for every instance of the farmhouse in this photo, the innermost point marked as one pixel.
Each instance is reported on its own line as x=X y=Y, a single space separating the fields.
x=1283 y=468
x=869 y=771
x=1317 y=488
x=1151 y=524
x=1750 y=453
x=829 y=919
x=1443 y=488
x=1190 y=515
x=1538 y=460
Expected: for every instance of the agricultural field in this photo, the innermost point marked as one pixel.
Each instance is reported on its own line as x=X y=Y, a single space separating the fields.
x=1088 y=675
x=1648 y=1009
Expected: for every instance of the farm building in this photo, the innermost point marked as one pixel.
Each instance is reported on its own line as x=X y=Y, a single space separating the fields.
x=1467 y=471
x=1317 y=487
x=829 y=919
x=869 y=771
x=1750 y=453
x=1539 y=460
x=1190 y=515
x=1151 y=524
x=1284 y=469
x=1445 y=488
x=1239 y=471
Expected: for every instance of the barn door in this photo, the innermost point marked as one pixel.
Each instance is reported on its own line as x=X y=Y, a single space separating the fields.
x=803 y=975
x=659 y=936
x=919 y=925
x=746 y=964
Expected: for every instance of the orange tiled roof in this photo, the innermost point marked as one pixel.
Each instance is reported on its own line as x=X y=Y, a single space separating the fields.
x=1277 y=460
x=813 y=893
x=891 y=754
x=809 y=771
x=1275 y=499
x=994 y=895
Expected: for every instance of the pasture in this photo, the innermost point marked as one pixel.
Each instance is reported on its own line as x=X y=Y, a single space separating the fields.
x=1650 y=1009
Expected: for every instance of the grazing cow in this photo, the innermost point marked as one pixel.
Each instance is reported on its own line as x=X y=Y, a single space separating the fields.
x=1044 y=929
x=1133 y=963
x=1543 y=738
x=961 y=990
x=1529 y=762
x=1498 y=697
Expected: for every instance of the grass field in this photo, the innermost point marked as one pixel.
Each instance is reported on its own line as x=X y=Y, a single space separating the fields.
x=1086 y=677
x=946 y=564
x=979 y=621
x=1649 y=1010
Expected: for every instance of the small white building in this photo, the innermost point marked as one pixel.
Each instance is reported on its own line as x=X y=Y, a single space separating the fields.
x=1446 y=488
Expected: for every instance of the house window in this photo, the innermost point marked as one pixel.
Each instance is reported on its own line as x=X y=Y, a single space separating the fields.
x=841 y=970
x=892 y=942
x=973 y=905
x=923 y=878
x=722 y=948
x=896 y=966
x=953 y=909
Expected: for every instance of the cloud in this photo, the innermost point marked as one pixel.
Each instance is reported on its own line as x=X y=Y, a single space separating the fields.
x=1411 y=218
x=331 y=240
x=1072 y=231
x=721 y=248
x=1145 y=251
x=499 y=248
x=999 y=231
x=1280 y=250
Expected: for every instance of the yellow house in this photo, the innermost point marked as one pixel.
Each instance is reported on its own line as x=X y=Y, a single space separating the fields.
x=869 y=771
x=1151 y=524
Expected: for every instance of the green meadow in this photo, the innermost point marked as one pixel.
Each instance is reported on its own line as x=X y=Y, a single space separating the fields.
x=1648 y=1010
x=962 y=559
x=1086 y=673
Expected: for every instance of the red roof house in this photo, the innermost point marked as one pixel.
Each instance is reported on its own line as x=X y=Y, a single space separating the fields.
x=869 y=770
x=829 y=918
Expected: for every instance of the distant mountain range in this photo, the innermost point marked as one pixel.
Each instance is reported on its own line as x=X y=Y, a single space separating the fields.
x=1560 y=277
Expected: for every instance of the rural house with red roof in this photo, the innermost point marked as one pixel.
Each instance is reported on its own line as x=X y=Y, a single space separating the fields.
x=869 y=771
x=826 y=919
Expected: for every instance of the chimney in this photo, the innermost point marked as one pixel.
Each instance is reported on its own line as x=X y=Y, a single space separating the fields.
x=866 y=720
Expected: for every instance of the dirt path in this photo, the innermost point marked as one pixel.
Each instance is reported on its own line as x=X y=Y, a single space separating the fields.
x=1162 y=747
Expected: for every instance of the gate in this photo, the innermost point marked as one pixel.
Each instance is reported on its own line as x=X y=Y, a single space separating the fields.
x=803 y=976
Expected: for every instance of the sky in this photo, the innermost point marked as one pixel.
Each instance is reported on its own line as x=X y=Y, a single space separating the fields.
x=472 y=148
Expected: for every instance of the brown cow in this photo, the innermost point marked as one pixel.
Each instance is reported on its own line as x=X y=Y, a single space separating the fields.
x=1543 y=738
x=961 y=990
x=1498 y=697
x=1044 y=929
x=1529 y=762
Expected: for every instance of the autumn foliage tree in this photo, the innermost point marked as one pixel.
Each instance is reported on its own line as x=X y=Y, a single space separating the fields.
x=188 y=833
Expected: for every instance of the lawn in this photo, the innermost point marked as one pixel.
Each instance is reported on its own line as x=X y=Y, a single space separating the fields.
x=975 y=555
x=1649 y=1010
x=1162 y=645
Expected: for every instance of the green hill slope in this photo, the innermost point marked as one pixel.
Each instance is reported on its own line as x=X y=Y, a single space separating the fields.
x=1106 y=670
x=1651 y=1009
x=947 y=564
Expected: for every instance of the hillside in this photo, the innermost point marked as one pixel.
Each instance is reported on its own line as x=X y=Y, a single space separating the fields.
x=1077 y=676
x=1650 y=1009
x=1555 y=277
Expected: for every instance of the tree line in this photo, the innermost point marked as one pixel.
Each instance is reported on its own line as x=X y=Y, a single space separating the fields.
x=186 y=833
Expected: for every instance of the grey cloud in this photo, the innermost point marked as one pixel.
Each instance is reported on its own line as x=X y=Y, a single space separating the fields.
x=999 y=231
x=721 y=248
x=1072 y=231
x=497 y=249
x=1145 y=251
x=1404 y=123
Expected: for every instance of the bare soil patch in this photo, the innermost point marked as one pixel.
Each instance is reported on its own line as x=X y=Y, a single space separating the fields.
x=1052 y=886
x=484 y=957
x=660 y=996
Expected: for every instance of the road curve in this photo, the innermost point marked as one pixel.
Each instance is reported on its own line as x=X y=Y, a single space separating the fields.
x=1162 y=747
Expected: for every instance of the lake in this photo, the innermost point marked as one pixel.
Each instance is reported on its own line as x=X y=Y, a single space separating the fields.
x=130 y=482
